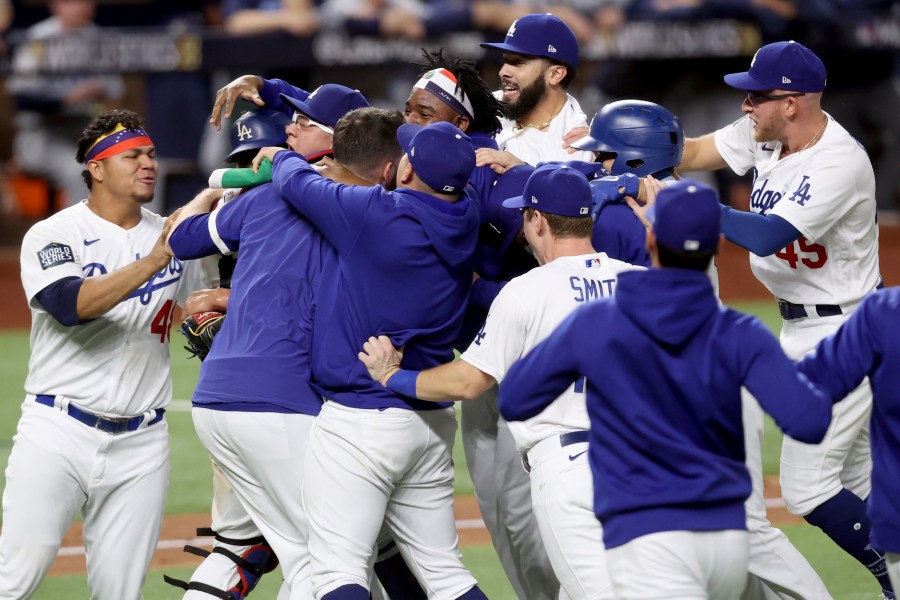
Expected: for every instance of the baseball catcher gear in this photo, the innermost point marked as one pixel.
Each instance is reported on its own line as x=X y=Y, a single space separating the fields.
x=200 y=329
x=645 y=137
x=257 y=129
x=231 y=570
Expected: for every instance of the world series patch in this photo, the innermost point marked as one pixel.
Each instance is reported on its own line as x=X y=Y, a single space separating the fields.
x=54 y=254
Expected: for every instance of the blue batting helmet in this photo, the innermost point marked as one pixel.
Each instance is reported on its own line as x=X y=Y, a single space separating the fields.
x=256 y=129
x=645 y=137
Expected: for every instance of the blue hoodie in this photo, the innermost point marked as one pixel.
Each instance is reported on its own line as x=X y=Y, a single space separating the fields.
x=404 y=270
x=261 y=359
x=664 y=367
x=866 y=345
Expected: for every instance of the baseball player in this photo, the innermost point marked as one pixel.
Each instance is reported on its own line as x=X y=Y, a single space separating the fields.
x=240 y=554
x=404 y=270
x=663 y=388
x=540 y=56
x=557 y=223
x=253 y=406
x=813 y=241
x=865 y=346
x=641 y=138
x=93 y=437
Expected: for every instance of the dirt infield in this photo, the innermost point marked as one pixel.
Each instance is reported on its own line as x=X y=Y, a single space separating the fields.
x=180 y=529
x=735 y=279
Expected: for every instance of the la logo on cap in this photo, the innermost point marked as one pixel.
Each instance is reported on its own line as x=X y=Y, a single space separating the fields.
x=512 y=29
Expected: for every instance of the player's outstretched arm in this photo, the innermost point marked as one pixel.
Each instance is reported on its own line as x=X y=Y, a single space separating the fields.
x=453 y=381
x=498 y=160
x=701 y=154
x=101 y=293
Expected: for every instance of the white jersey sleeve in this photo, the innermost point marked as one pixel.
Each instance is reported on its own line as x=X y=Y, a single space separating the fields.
x=501 y=341
x=49 y=252
x=735 y=144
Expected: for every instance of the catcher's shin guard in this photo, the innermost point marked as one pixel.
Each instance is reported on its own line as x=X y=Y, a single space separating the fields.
x=230 y=571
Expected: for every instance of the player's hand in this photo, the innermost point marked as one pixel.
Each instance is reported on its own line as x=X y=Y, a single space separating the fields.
x=162 y=253
x=574 y=134
x=338 y=173
x=382 y=360
x=267 y=152
x=246 y=87
x=651 y=188
x=215 y=299
x=499 y=160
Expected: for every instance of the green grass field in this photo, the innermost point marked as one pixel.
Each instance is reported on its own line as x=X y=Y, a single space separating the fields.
x=190 y=488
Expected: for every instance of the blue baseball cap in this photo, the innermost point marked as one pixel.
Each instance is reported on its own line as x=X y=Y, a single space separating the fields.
x=440 y=154
x=556 y=190
x=789 y=66
x=328 y=103
x=686 y=217
x=540 y=35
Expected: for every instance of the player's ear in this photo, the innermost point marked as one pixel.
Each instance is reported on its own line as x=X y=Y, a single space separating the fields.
x=405 y=173
x=556 y=73
x=95 y=168
x=462 y=123
x=388 y=175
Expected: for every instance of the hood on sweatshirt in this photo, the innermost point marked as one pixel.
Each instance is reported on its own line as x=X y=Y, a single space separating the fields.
x=669 y=305
x=452 y=228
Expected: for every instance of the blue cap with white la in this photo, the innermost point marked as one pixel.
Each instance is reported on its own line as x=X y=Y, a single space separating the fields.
x=686 y=217
x=440 y=154
x=788 y=66
x=556 y=190
x=540 y=35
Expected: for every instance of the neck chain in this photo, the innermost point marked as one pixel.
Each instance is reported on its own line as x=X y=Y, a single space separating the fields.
x=815 y=137
x=520 y=128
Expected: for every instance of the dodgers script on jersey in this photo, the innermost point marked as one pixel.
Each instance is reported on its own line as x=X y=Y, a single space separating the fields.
x=516 y=323
x=534 y=145
x=828 y=193
x=117 y=364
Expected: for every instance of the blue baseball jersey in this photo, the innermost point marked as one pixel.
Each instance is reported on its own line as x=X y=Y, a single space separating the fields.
x=404 y=270
x=664 y=366
x=866 y=345
x=260 y=361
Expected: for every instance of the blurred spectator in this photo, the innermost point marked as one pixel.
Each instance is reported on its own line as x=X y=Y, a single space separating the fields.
x=250 y=17
x=52 y=108
x=862 y=83
x=6 y=19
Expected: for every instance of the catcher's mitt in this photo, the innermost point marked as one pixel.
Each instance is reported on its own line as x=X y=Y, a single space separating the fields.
x=200 y=329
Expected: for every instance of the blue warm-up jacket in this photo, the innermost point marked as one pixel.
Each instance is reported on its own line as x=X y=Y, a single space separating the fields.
x=404 y=270
x=866 y=345
x=664 y=367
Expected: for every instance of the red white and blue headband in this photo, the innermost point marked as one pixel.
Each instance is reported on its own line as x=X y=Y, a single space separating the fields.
x=442 y=83
x=117 y=141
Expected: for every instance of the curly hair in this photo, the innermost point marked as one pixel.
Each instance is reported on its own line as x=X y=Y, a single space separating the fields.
x=100 y=125
x=488 y=109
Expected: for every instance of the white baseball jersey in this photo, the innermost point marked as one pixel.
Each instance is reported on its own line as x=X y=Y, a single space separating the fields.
x=116 y=364
x=533 y=145
x=828 y=193
x=525 y=312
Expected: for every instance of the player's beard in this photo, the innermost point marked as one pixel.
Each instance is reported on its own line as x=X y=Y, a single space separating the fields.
x=769 y=132
x=143 y=198
x=529 y=97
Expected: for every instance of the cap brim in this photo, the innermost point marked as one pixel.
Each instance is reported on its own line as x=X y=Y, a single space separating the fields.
x=743 y=81
x=301 y=107
x=588 y=143
x=515 y=202
x=406 y=133
x=508 y=48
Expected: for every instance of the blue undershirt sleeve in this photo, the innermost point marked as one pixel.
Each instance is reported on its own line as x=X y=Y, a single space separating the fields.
x=191 y=238
x=762 y=235
x=60 y=299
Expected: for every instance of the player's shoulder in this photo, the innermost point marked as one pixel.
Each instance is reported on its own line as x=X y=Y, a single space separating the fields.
x=67 y=220
x=839 y=147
